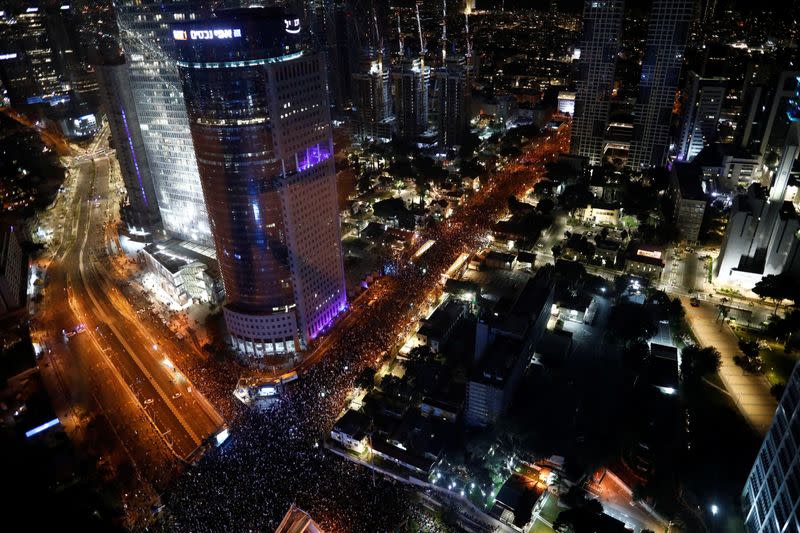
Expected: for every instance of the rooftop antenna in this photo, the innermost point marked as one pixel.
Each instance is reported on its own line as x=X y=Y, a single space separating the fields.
x=444 y=30
x=400 y=36
x=466 y=28
x=419 y=29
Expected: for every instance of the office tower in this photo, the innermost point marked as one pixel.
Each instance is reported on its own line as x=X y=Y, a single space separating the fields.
x=667 y=32
x=144 y=28
x=28 y=64
x=140 y=209
x=258 y=112
x=771 y=496
x=701 y=114
x=65 y=24
x=599 y=46
x=766 y=124
x=761 y=235
x=332 y=29
x=410 y=79
x=453 y=101
x=372 y=98
x=13 y=267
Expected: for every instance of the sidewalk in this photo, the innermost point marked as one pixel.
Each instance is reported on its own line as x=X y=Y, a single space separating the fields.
x=750 y=392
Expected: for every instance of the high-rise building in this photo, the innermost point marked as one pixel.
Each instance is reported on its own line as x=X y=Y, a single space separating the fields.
x=258 y=111
x=333 y=30
x=668 y=30
x=12 y=270
x=766 y=123
x=771 y=496
x=701 y=114
x=372 y=98
x=144 y=28
x=761 y=235
x=410 y=80
x=453 y=101
x=599 y=46
x=28 y=64
x=139 y=212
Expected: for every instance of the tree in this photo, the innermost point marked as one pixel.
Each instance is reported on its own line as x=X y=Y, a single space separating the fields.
x=391 y=385
x=366 y=378
x=749 y=348
x=631 y=322
x=782 y=328
x=777 y=390
x=635 y=355
x=777 y=287
x=697 y=362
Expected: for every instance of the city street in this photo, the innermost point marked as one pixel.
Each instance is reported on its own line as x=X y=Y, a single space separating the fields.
x=113 y=338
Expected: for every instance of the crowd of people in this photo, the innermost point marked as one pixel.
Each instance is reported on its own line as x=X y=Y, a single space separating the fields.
x=276 y=457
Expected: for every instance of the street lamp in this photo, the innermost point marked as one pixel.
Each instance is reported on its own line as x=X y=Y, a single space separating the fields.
x=714 y=509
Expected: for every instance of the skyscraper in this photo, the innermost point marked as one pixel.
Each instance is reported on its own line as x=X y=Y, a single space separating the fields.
x=599 y=46
x=150 y=50
x=372 y=98
x=140 y=211
x=701 y=114
x=410 y=79
x=771 y=496
x=28 y=63
x=258 y=112
x=761 y=235
x=453 y=95
x=668 y=30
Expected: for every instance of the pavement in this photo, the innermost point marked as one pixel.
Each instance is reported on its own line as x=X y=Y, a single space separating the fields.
x=750 y=392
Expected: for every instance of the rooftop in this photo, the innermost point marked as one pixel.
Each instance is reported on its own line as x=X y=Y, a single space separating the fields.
x=689 y=179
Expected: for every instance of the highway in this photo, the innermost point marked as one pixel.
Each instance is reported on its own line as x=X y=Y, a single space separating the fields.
x=136 y=366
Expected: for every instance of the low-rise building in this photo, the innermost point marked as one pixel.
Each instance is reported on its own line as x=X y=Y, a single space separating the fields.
x=600 y=213
x=727 y=167
x=351 y=431
x=402 y=458
x=607 y=251
x=644 y=260
x=663 y=368
x=437 y=329
x=298 y=521
x=185 y=270
x=500 y=260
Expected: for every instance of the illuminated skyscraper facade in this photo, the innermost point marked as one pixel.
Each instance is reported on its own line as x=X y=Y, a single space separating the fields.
x=146 y=37
x=453 y=102
x=372 y=98
x=599 y=46
x=139 y=212
x=28 y=63
x=668 y=30
x=771 y=497
x=701 y=114
x=410 y=81
x=258 y=111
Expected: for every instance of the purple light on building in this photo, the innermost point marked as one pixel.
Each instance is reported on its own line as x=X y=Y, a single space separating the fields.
x=314 y=155
x=133 y=155
x=336 y=308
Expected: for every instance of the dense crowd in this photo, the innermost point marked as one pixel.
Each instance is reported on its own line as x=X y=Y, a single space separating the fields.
x=275 y=458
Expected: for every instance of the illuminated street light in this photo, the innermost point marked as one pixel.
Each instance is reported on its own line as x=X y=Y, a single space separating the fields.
x=714 y=509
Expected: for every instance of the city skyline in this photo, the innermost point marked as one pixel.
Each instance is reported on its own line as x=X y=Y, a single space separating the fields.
x=349 y=265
